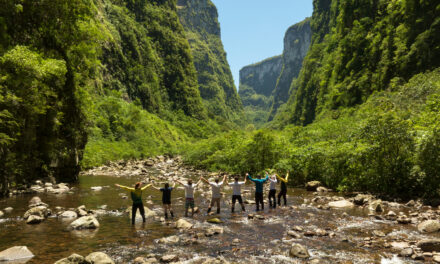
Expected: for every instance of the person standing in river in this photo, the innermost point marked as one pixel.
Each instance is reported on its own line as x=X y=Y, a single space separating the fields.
x=273 y=191
x=236 y=192
x=259 y=190
x=283 y=191
x=216 y=195
x=189 y=195
x=166 y=198
x=136 y=197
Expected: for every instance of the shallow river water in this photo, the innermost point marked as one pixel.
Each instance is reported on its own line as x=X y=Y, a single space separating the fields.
x=261 y=241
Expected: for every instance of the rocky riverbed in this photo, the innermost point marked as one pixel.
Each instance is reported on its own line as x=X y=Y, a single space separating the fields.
x=55 y=221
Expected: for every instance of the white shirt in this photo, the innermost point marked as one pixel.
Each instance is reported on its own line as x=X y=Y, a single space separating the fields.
x=189 y=190
x=273 y=184
x=215 y=187
x=236 y=187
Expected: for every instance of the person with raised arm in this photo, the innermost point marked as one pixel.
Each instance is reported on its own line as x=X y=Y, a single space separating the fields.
x=283 y=191
x=166 y=198
x=259 y=190
x=136 y=197
x=236 y=192
x=273 y=191
x=189 y=195
x=215 y=189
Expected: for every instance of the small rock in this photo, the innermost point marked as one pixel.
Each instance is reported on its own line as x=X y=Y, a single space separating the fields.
x=34 y=219
x=293 y=234
x=378 y=233
x=341 y=204
x=68 y=214
x=169 y=258
x=96 y=188
x=35 y=200
x=236 y=242
x=403 y=219
x=429 y=245
x=406 y=252
x=99 y=258
x=1 y=214
x=376 y=206
x=321 y=189
x=183 y=224
x=85 y=222
x=411 y=203
x=299 y=251
x=16 y=253
x=436 y=259
x=169 y=240
x=312 y=186
x=72 y=259
x=429 y=226
x=214 y=231
x=8 y=210
x=214 y=221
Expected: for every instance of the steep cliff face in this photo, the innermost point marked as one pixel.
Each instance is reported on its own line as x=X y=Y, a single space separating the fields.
x=360 y=47
x=296 y=44
x=261 y=77
x=216 y=85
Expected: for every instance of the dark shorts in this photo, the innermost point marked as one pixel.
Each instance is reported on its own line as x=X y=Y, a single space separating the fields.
x=189 y=203
x=166 y=202
x=235 y=198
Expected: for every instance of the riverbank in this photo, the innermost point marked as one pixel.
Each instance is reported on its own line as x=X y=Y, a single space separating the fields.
x=330 y=227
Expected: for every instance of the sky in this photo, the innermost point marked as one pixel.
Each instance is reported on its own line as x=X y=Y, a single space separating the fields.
x=253 y=30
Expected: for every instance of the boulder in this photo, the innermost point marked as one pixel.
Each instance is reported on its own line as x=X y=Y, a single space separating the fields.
x=429 y=245
x=213 y=231
x=169 y=258
x=299 y=251
x=68 y=214
x=429 y=226
x=406 y=252
x=321 y=189
x=8 y=210
x=16 y=253
x=341 y=204
x=34 y=219
x=312 y=186
x=41 y=211
x=362 y=199
x=99 y=258
x=376 y=206
x=85 y=222
x=72 y=259
x=183 y=224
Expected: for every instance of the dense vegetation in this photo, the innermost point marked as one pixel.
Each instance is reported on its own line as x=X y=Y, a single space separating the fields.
x=389 y=145
x=216 y=85
x=359 y=47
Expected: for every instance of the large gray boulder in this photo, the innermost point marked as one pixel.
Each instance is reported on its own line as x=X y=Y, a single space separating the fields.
x=99 y=258
x=341 y=204
x=429 y=245
x=299 y=251
x=16 y=253
x=85 y=222
x=72 y=259
x=312 y=186
x=429 y=226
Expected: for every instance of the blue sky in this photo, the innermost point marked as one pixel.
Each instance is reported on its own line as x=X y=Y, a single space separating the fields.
x=253 y=30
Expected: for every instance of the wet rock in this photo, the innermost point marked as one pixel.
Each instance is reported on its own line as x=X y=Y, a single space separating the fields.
x=236 y=242
x=403 y=219
x=406 y=252
x=376 y=206
x=399 y=245
x=298 y=251
x=1 y=214
x=378 y=233
x=183 y=224
x=68 y=214
x=72 y=259
x=411 y=203
x=16 y=253
x=99 y=258
x=391 y=215
x=294 y=234
x=312 y=186
x=214 y=220
x=298 y=228
x=429 y=245
x=429 y=226
x=436 y=259
x=321 y=189
x=251 y=216
x=8 y=210
x=85 y=222
x=40 y=211
x=169 y=240
x=341 y=204
x=96 y=188
x=169 y=258
x=35 y=200
x=214 y=231
x=34 y=219
x=260 y=217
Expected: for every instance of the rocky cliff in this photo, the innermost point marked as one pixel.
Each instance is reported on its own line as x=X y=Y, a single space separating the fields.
x=296 y=44
x=216 y=85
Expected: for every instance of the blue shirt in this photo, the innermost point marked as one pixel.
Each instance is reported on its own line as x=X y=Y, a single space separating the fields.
x=259 y=183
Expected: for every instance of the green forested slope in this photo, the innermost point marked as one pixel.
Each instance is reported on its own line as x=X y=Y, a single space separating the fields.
x=359 y=47
x=117 y=74
x=216 y=85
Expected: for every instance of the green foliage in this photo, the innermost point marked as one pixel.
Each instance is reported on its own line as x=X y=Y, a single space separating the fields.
x=359 y=47
x=387 y=146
